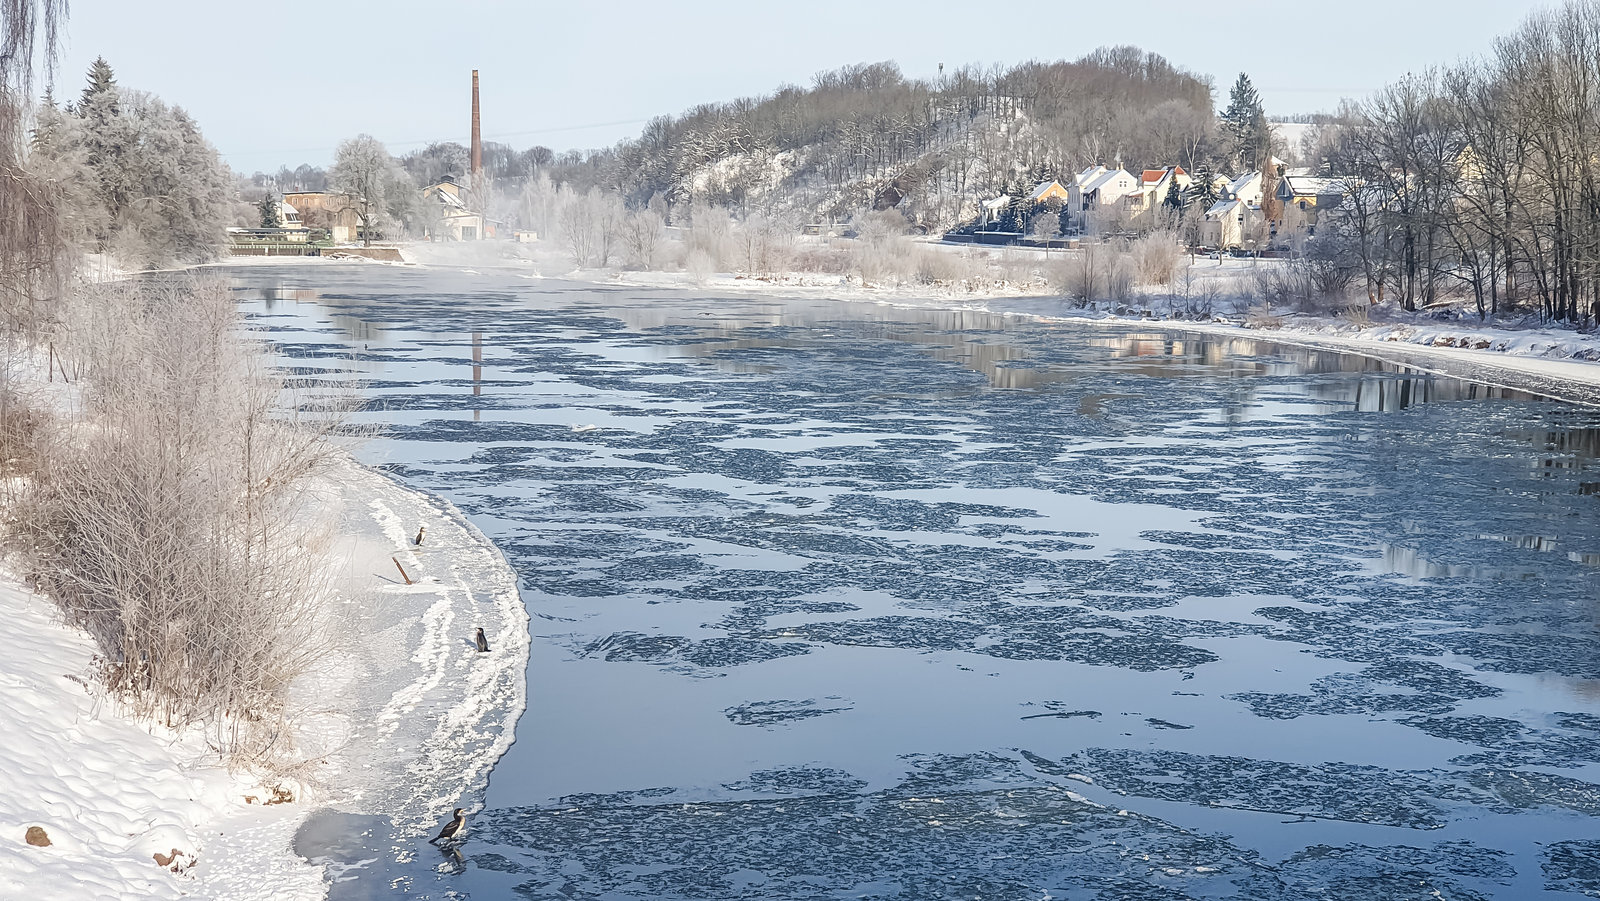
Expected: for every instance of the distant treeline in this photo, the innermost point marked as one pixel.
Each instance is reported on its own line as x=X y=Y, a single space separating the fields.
x=867 y=136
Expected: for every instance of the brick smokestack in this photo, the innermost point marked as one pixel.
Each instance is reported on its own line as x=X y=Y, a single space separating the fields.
x=477 y=134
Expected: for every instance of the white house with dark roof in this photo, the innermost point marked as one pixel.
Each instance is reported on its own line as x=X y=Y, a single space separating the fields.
x=1098 y=195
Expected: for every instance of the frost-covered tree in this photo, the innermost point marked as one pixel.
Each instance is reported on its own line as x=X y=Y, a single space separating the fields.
x=102 y=82
x=1203 y=190
x=364 y=170
x=1175 y=201
x=136 y=176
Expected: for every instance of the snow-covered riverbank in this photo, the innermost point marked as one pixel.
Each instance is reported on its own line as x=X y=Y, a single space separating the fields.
x=403 y=720
x=1535 y=358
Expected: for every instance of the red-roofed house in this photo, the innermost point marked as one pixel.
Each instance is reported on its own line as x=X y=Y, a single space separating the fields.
x=1153 y=187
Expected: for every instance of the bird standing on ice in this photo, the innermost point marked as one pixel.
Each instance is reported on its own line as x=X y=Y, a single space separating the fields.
x=453 y=830
x=483 y=641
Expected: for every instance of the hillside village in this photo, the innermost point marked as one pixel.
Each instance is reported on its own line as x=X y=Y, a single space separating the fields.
x=1248 y=213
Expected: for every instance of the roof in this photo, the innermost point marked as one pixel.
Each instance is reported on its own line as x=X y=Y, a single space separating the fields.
x=1044 y=188
x=1300 y=183
x=1157 y=176
x=1243 y=182
x=447 y=198
x=998 y=203
x=1104 y=178
x=1088 y=174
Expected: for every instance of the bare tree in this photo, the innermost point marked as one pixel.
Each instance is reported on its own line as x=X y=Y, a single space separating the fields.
x=643 y=235
x=363 y=169
x=33 y=268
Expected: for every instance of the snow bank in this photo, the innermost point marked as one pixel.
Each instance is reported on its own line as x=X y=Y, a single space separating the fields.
x=420 y=717
x=404 y=720
x=111 y=793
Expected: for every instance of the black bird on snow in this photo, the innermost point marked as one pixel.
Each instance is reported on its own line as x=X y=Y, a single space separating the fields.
x=483 y=641
x=452 y=830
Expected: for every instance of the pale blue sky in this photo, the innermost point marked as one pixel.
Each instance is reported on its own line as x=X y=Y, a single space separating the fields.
x=283 y=82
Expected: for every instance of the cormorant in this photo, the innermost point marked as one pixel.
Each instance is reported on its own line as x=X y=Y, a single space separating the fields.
x=483 y=641
x=452 y=830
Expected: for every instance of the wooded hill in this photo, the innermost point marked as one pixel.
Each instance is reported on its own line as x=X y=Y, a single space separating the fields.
x=866 y=136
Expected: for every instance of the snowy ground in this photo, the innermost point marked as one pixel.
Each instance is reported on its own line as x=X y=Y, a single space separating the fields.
x=403 y=722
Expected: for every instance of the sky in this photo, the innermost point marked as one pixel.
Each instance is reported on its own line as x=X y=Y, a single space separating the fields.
x=283 y=82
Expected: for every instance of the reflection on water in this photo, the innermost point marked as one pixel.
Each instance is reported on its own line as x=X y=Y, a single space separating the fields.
x=477 y=373
x=1408 y=561
x=803 y=589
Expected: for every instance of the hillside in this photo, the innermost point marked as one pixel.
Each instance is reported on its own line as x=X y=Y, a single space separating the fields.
x=868 y=136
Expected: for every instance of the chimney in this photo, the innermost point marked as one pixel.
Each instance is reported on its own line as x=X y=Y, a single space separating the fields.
x=477 y=135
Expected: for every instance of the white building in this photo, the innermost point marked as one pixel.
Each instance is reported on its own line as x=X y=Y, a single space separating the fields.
x=1097 y=198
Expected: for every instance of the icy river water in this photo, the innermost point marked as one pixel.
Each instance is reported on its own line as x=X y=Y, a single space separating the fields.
x=844 y=600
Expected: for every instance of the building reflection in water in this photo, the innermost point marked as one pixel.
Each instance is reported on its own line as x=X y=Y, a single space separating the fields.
x=477 y=374
x=273 y=295
x=972 y=339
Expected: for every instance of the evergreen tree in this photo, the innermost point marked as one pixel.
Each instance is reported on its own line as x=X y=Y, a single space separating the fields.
x=138 y=179
x=1175 y=200
x=102 y=84
x=1245 y=124
x=269 y=212
x=1203 y=193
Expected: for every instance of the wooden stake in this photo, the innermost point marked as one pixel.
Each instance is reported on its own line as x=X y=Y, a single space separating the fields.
x=402 y=570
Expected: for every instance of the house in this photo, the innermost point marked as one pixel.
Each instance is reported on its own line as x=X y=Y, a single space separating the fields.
x=1097 y=198
x=1302 y=194
x=337 y=213
x=993 y=208
x=1232 y=223
x=1050 y=192
x=1153 y=187
x=1247 y=187
x=449 y=217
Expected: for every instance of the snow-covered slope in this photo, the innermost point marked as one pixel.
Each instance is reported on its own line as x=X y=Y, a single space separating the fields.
x=403 y=720
x=111 y=793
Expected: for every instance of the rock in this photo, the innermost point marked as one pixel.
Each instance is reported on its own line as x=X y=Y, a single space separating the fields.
x=177 y=861
x=37 y=838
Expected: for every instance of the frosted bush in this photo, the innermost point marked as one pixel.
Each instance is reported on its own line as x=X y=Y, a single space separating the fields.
x=170 y=519
x=699 y=265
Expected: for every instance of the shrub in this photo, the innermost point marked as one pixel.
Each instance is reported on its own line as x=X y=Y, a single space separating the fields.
x=170 y=519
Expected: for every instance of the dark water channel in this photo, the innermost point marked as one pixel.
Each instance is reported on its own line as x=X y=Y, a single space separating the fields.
x=840 y=600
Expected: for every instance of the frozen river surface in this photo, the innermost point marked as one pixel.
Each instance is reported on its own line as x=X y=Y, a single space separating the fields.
x=850 y=601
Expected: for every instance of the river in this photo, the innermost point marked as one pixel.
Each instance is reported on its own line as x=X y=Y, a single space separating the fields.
x=848 y=600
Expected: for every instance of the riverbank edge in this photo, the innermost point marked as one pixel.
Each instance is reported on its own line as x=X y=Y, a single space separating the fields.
x=423 y=718
x=243 y=850
x=1539 y=361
